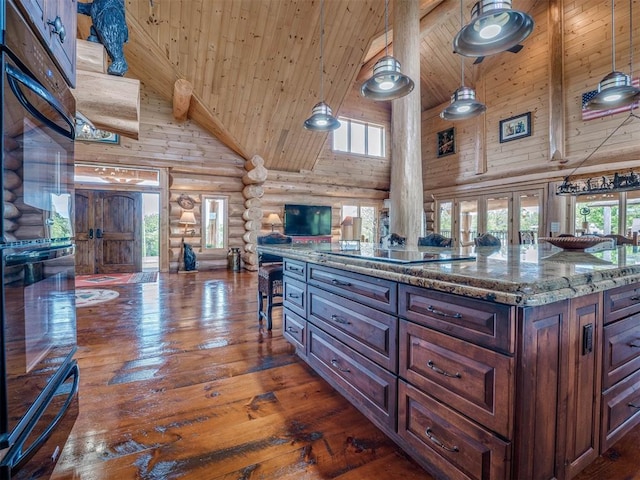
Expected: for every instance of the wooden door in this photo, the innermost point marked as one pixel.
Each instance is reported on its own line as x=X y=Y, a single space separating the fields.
x=108 y=231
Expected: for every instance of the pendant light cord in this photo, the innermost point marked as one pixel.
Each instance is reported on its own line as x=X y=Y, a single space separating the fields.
x=461 y=57
x=386 y=27
x=321 y=50
x=631 y=40
x=613 y=35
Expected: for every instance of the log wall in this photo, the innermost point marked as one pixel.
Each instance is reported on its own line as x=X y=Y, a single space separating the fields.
x=513 y=84
x=198 y=164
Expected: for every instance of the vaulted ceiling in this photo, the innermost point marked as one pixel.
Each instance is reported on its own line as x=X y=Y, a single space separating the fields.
x=255 y=64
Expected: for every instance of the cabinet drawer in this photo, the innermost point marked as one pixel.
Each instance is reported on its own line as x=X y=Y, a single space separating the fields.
x=473 y=380
x=294 y=330
x=483 y=323
x=621 y=302
x=621 y=353
x=374 y=292
x=454 y=445
x=368 y=331
x=620 y=410
x=369 y=387
x=294 y=295
x=295 y=269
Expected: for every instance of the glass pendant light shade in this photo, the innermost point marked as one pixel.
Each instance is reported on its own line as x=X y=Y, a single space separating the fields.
x=387 y=82
x=494 y=28
x=321 y=119
x=463 y=105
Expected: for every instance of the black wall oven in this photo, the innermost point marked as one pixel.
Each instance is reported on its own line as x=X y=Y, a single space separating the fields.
x=38 y=375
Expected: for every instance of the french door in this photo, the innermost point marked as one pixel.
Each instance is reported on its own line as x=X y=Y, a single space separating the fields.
x=108 y=231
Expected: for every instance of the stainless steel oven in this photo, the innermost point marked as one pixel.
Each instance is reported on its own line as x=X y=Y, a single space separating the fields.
x=39 y=340
x=38 y=375
x=38 y=130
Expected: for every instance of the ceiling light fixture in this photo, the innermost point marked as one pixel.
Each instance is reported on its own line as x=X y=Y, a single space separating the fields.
x=321 y=119
x=463 y=101
x=615 y=90
x=494 y=28
x=387 y=82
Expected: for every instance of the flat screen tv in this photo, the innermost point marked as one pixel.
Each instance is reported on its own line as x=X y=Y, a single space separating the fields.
x=307 y=220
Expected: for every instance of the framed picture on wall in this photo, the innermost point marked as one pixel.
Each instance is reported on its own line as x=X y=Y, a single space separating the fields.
x=446 y=142
x=515 y=127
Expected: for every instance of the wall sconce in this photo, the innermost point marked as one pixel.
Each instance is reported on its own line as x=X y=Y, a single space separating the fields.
x=274 y=219
x=188 y=218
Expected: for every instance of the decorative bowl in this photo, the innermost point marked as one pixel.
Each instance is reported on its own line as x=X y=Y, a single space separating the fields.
x=574 y=243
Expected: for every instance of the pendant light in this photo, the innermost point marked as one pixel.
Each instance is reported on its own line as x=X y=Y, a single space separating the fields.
x=387 y=82
x=494 y=28
x=463 y=101
x=615 y=89
x=321 y=119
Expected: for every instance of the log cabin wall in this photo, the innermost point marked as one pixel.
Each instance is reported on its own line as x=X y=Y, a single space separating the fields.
x=513 y=84
x=199 y=164
x=337 y=178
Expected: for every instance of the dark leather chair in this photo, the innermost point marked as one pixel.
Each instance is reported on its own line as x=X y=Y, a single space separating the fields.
x=434 y=240
x=487 y=240
x=270 y=277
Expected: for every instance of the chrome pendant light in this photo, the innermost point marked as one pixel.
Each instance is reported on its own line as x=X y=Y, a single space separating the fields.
x=494 y=28
x=387 y=82
x=615 y=89
x=463 y=101
x=321 y=119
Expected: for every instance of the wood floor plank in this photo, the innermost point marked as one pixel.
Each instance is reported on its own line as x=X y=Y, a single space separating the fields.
x=179 y=382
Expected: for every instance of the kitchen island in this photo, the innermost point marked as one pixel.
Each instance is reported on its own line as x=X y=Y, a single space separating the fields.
x=516 y=363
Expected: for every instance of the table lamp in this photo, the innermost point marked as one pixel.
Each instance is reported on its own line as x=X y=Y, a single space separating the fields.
x=187 y=218
x=274 y=219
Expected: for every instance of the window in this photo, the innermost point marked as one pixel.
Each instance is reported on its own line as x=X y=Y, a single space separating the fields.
x=359 y=137
x=369 y=222
x=214 y=222
x=445 y=211
x=597 y=214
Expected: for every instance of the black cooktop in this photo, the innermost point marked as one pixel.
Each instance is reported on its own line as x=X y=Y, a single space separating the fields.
x=404 y=256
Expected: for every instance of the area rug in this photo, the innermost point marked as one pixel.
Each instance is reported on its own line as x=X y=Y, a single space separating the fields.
x=104 y=279
x=85 y=297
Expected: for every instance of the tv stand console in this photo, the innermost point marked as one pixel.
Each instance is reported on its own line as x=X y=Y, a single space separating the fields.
x=311 y=238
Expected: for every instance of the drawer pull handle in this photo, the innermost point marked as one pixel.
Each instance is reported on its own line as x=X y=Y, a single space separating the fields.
x=634 y=345
x=295 y=269
x=431 y=437
x=433 y=367
x=633 y=405
x=341 y=320
x=292 y=330
x=335 y=365
x=443 y=314
x=340 y=283
x=293 y=295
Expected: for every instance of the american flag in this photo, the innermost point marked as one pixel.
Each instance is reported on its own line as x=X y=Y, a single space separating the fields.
x=591 y=114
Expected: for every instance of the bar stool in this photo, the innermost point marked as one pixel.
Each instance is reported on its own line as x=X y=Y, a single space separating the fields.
x=270 y=277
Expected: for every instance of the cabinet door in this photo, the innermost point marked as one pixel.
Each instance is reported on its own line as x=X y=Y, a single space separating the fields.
x=580 y=379
x=63 y=45
x=42 y=15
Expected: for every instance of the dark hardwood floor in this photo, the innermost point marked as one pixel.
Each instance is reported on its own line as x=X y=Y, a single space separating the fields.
x=177 y=381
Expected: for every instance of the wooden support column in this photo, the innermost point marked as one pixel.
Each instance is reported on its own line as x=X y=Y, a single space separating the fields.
x=556 y=82
x=407 y=205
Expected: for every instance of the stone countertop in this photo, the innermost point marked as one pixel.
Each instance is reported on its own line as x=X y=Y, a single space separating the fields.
x=525 y=275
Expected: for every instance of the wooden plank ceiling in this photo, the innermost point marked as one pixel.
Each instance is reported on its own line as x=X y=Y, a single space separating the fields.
x=255 y=64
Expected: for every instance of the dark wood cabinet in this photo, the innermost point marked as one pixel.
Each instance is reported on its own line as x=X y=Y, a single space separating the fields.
x=55 y=22
x=475 y=381
x=482 y=390
x=371 y=332
x=371 y=388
